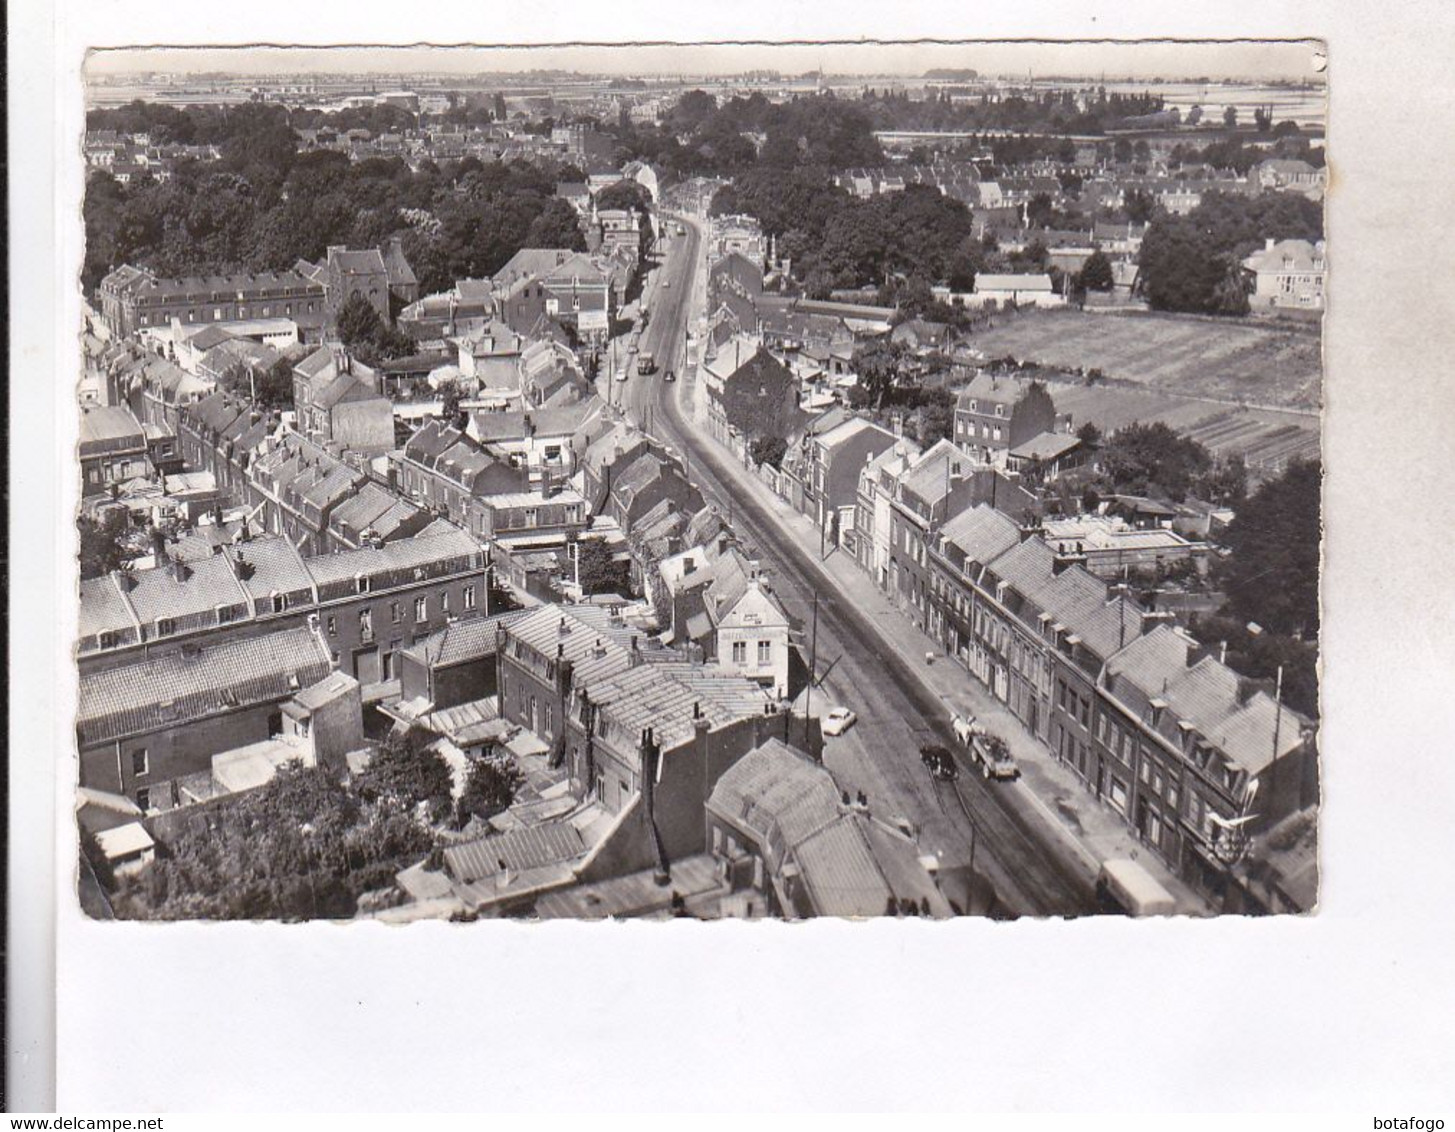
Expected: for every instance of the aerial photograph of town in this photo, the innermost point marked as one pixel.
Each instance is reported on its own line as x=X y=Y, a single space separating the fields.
x=731 y=483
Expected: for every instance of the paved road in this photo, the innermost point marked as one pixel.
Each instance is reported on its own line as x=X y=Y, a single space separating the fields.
x=1026 y=865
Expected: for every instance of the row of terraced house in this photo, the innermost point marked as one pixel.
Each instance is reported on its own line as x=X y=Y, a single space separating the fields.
x=1193 y=756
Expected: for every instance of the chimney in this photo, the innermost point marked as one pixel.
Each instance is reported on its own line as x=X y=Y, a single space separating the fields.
x=179 y=570
x=159 y=546
x=1268 y=243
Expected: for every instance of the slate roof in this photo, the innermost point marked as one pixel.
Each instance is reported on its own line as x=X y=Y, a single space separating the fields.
x=519 y=850
x=578 y=633
x=779 y=794
x=208 y=583
x=463 y=641
x=180 y=688
x=1046 y=446
x=662 y=696
x=982 y=533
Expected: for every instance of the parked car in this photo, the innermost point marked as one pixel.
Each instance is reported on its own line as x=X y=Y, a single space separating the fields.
x=993 y=756
x=666 y=284
x=646 y=363
x=669 y=376
x=940 y=762
x=838 y=720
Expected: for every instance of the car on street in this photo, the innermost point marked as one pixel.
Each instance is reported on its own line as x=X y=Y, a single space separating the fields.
x=669 y=376
x=666 y=284
x=940 y=762
x=646 y=363
x=993 y=756
x=838 y=720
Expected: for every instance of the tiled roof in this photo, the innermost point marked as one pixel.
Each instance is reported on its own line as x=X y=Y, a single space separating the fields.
x=929 y=476
x=1026 y=567
x=517 y=850
x=982 y=533
x=205 y=585
x=1146 y=662
x=988 y=387
x=839 y=871
x=591 y=638
x=325 y=691
x=463 y=640
x=316 y=362
x=270 y=565
x=400 y=555
x=175 y=690
x=1046 y=446
x=779 y=794
x=357 y=263
x=102 y=608
x=663 y=697
x=103 y=424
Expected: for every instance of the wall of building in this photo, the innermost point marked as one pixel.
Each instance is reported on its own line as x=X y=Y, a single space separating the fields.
x=175 y=752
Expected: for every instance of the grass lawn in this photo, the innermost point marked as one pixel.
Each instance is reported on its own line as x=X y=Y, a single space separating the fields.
x=1262 y=363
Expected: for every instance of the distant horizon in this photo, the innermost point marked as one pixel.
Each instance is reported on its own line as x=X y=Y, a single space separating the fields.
x=1122 y=61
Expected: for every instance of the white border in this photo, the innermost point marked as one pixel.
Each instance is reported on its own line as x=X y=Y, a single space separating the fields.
x=1349 y=1009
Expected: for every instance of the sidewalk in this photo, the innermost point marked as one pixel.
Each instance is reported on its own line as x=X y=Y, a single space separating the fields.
x=1087 y=826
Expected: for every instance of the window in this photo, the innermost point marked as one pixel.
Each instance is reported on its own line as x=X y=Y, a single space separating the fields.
x=366 y=622
x=396 y=612
x=1119 y=793
x=421 y=609
x=139 y=761
x=143 y=799
x=332 y=626
x=108 y=640
x=765 y=652
x=740 y=652
x=280 y=603
x=467 y=597
x=361 y=583
x=166 y=626
x=216 y=314
x=444 y=601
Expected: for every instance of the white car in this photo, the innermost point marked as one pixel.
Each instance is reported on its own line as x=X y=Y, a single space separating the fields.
x=838 y=720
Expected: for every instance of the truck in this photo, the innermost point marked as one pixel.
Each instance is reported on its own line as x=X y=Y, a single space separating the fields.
x=993 y=755
x=1125 y=888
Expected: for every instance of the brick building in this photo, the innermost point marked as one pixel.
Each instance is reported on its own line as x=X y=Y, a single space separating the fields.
x=367 y=604
x=995 y=414
x=144 y=726
x=135 y=298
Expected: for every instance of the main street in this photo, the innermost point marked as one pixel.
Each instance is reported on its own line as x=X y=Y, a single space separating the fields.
x=996 y=824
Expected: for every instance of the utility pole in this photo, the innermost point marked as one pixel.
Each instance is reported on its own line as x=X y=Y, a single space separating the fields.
x=812 y=664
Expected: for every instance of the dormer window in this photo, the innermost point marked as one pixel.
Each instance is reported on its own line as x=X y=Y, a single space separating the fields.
x=107 y=640
x=166 y=626
x=280 y=602
x=361 y=583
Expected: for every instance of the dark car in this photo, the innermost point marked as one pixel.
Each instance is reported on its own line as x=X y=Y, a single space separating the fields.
x=669 y=376
x=940 y=762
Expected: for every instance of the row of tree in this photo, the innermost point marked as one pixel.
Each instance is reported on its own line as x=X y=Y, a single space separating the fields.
x=263 y=206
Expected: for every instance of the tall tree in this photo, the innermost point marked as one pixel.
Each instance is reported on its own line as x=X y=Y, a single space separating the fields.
x=1096 y=272
x=102 y=546
x=1272 y=574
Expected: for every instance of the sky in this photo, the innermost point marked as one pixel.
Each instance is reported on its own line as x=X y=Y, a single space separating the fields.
x=1149 y=59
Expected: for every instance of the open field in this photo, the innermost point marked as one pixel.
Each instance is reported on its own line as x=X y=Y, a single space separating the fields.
x=1259 y=363
x=1265 y=438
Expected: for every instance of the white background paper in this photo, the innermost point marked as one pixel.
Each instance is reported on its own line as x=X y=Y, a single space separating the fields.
x=1349 y=1009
